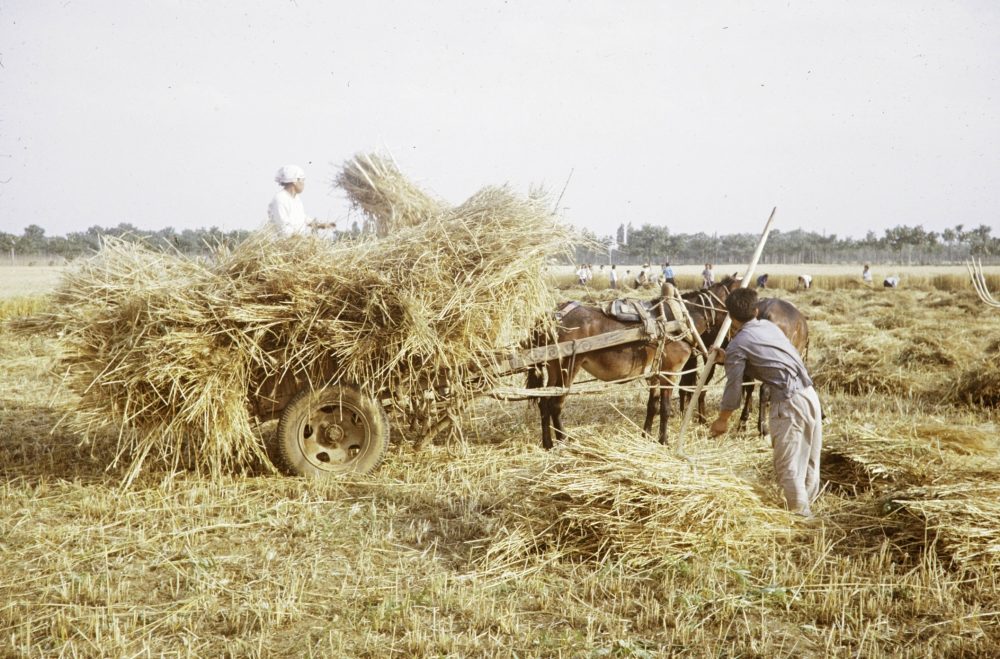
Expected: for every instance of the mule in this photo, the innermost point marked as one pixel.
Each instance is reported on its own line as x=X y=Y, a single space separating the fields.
x=622 y=362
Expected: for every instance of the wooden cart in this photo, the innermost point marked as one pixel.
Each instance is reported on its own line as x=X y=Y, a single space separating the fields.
x=336 y=428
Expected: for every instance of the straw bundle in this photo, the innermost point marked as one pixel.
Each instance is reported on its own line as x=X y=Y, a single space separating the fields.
x=963 y=520
x=171 y=351
x=145 y=356
x=978 y=384
x=904 y=453
x=375 y=186
x=626 y=499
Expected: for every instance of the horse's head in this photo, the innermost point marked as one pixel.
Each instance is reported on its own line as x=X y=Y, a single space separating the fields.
x=723 y=288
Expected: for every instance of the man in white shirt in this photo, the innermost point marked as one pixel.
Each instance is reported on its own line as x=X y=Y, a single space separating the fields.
x=805 y=281
x=286 y=214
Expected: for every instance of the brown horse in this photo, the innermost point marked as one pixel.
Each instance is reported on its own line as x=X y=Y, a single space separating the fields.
x=791 y=321
x=619 y=362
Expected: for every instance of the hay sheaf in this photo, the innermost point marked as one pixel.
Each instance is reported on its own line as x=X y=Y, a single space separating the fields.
x=962 y=521
x=628 y=500
x=978 y=384
x=170 y=351
x=861 y=456
x=388 y=199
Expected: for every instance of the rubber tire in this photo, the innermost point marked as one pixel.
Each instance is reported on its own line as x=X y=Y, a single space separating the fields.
x=356 y=427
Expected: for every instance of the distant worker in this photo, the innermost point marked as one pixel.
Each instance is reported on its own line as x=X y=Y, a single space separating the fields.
x=891 y=282
x=762 y=281
x=581 y=275
x=866 y=275
x=613 y=276
x=805 y=281
x=762 y=350
x=707 y=278
x=642 y=278
x=285 y=214
x=668 y=274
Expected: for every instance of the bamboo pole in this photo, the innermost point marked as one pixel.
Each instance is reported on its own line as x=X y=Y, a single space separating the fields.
x=723 y=331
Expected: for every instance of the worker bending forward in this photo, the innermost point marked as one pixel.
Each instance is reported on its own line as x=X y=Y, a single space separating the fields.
x=761 y=350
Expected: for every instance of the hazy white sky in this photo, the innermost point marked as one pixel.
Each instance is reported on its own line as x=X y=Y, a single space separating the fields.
x=847 y=116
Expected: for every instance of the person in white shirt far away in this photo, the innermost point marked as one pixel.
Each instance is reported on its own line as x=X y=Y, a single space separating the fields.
x=805 y=281
x=286 y=215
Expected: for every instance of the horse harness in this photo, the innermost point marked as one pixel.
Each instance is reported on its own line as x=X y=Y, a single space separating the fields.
x=704 y=300
x=653 y=318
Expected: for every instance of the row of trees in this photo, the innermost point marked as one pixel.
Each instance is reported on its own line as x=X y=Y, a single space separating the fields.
x=34 y=243
x=900 y=244
x=648 y=243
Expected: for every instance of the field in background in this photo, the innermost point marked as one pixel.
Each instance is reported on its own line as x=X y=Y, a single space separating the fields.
x=28 y=280
x=416 y=559
x=828 y=277
x=34 y=280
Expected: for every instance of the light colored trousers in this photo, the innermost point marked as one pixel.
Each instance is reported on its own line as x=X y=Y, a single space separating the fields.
x=797 y=435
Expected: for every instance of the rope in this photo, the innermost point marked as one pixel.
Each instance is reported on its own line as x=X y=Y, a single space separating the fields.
x=592 y=386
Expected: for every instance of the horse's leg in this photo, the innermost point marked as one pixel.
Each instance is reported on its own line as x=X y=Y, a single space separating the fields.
x=535 y=381
x=647 y=426
x=748 y=386
x=665 y=390
x=555 y=414
x=765 y=404
x=688 y=379
x=545 y=407
x=563 y=379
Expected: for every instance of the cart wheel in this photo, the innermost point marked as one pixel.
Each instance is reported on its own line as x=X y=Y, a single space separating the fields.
x=335 y=430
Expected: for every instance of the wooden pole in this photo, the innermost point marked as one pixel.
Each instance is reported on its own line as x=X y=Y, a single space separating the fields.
x=723 y=331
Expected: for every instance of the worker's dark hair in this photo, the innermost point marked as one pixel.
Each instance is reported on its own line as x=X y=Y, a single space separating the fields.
x=742 y=304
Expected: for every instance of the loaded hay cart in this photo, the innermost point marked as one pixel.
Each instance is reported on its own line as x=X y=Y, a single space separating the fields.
x=338 y=428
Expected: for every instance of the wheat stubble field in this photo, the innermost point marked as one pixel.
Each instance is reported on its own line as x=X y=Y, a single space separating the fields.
x=485 y=545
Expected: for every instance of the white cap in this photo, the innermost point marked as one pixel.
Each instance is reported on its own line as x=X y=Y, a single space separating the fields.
x=289 y=174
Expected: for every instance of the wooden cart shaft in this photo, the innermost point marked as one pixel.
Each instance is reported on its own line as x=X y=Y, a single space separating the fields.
x=523 y=359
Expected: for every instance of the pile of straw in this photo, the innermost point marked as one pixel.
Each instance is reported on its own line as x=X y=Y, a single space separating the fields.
x=962 y=521
x=935 y=483
x=978 y=384
x=625 y=499
x=169 y=350
x=863 y=455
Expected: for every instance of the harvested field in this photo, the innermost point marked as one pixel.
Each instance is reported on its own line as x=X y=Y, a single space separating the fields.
x=485 y=545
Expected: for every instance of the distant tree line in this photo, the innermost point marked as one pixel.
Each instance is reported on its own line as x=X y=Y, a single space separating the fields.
x=34 y=242
x=900 y=244
x=648 y=243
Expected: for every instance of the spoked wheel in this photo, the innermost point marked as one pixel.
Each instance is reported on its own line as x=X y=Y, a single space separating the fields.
x=334 y=430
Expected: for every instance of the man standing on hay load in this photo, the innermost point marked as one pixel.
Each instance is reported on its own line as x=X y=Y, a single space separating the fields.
x=763 y=351
x=286 y=214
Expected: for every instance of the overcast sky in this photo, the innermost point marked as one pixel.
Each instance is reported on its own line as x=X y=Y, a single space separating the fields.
x=847 y=116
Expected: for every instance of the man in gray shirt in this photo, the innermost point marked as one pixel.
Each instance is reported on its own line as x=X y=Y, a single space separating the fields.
x=761 y=350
